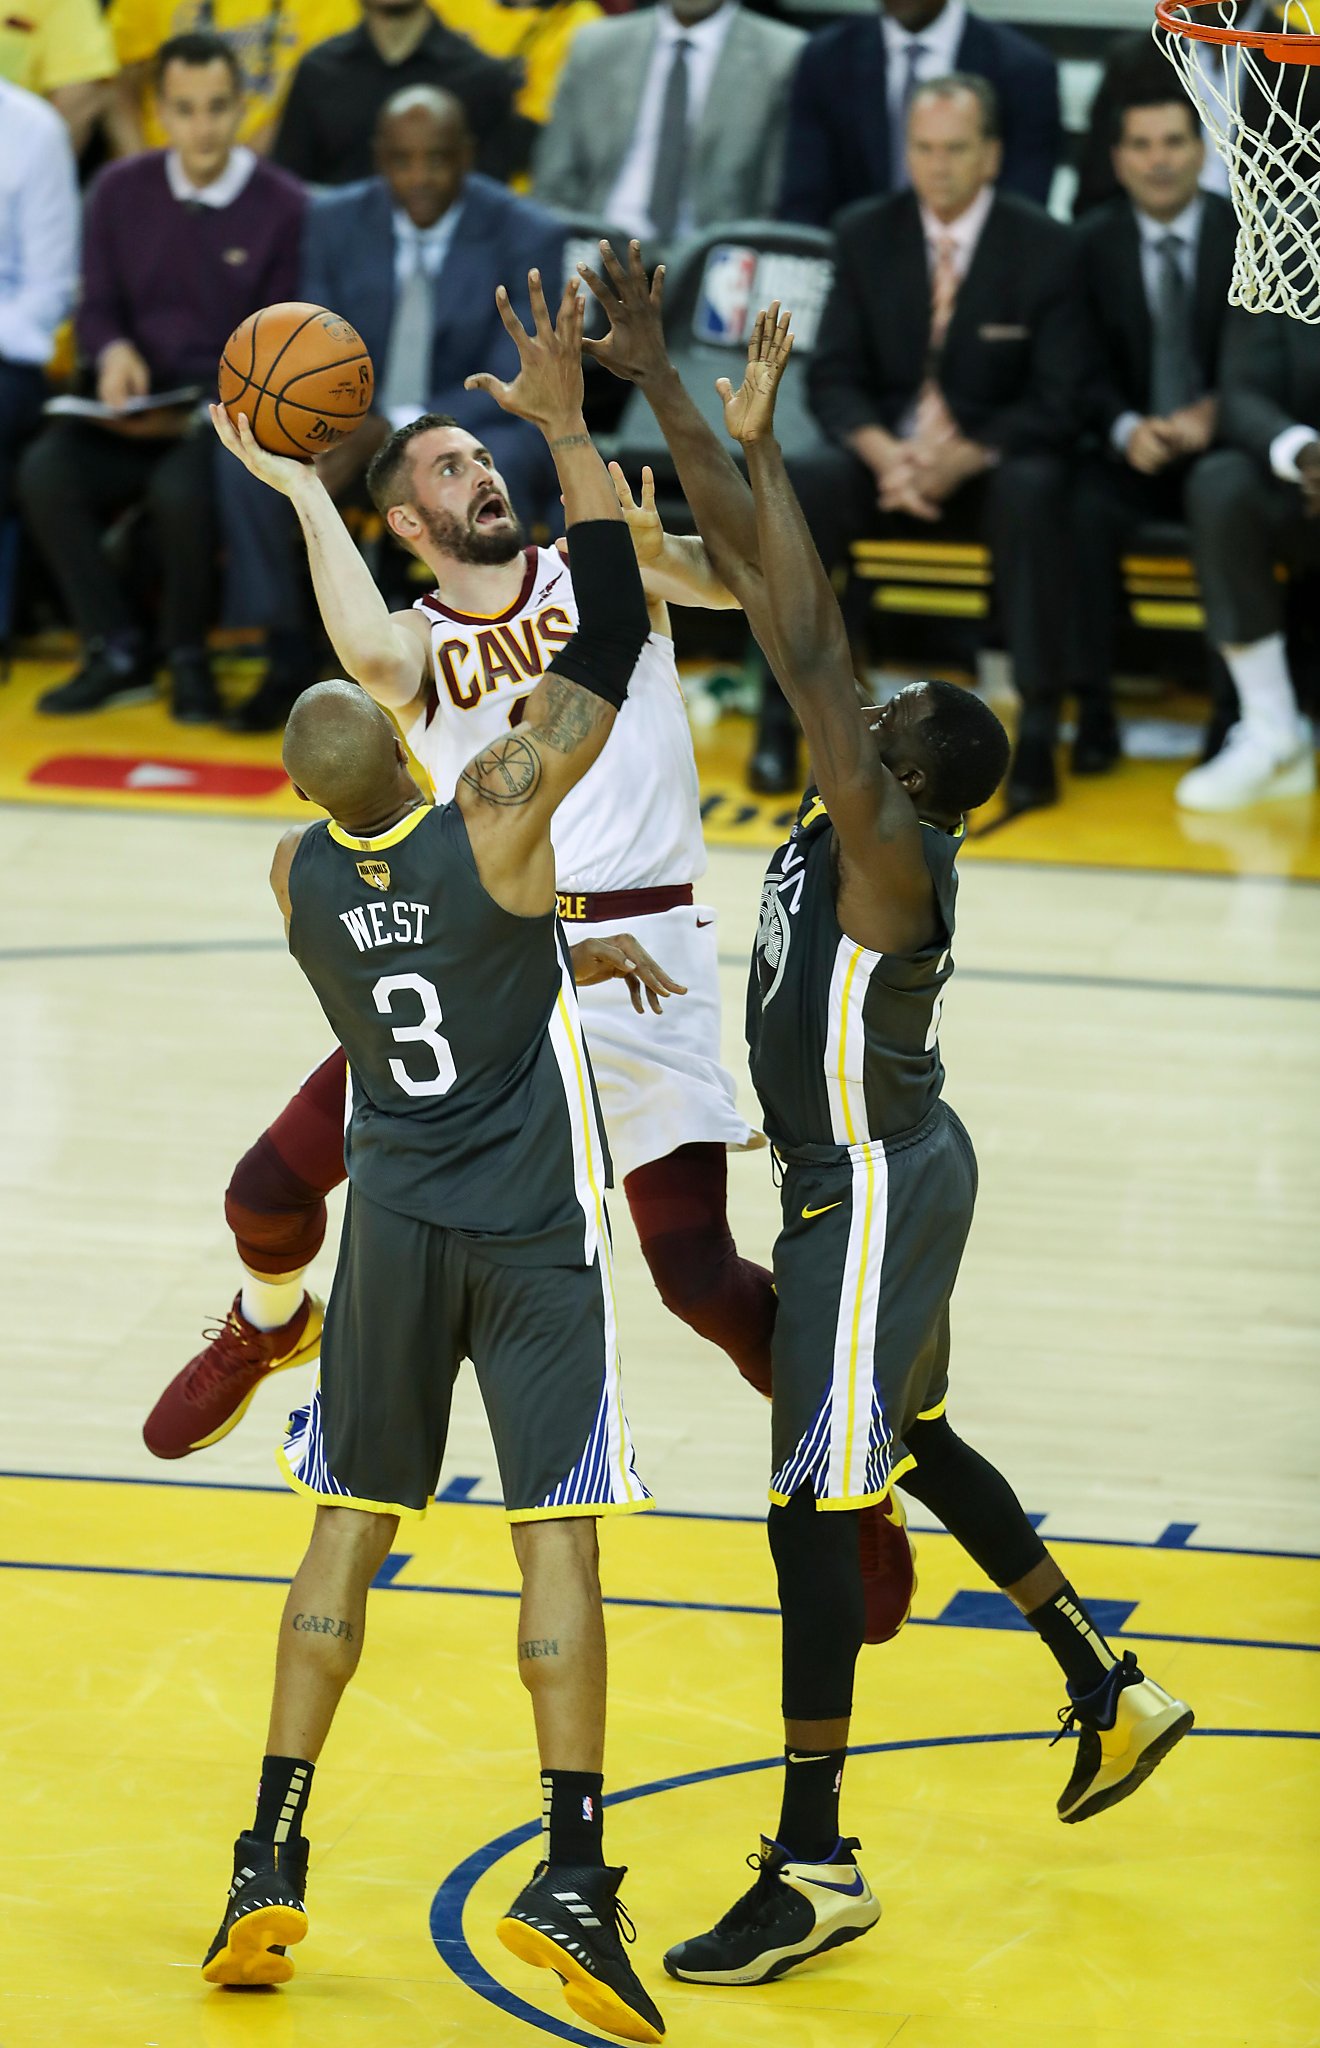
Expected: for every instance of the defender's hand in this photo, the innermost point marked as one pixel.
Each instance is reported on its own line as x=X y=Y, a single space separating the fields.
x=634 y=348
x=622 y=959
x=749 y=412
x=643 y=521
x=284 y=473
x=548 y=387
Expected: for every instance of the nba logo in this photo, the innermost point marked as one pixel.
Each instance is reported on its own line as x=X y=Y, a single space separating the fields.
x=588 y=1809
x=725 y=300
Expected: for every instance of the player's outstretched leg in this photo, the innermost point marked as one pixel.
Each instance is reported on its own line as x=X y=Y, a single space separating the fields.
x=320 y=1641
x=809 y=1895
x=569 y=1918
x=1126 y=1723
x=275 y=1206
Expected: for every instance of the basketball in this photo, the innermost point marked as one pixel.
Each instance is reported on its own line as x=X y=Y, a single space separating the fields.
x=301 y=374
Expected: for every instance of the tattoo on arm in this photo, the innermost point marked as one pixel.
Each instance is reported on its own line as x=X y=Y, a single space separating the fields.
x=324 y=1625
x=571 y=441
x=571 y=714
x=507 y=773
x=537 y=1646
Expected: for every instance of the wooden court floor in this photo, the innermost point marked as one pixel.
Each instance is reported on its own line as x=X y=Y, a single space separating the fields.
x=1135 y=1051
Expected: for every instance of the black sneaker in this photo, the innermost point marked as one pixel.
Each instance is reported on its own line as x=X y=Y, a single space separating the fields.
x=103 y=679
x=1096 y=746
x=264 y=1914
x=268 y=708
x=1125 y=1727
x=793 y=1911
x=569 y=1920
x=193 y=699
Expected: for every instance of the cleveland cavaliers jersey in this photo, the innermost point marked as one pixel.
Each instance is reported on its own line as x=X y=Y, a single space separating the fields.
x=634 y=820
x=473 y=1102
x=843 y=1041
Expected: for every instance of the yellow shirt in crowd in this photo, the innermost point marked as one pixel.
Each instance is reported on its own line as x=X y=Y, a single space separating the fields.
x=267 y=36
x=45 y=44
x=539 y=35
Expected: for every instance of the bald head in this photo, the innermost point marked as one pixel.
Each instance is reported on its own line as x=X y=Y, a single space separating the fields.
x=341 y=751
x=423 y=151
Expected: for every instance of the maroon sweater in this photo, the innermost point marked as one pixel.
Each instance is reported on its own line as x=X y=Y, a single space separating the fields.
x=176 y=279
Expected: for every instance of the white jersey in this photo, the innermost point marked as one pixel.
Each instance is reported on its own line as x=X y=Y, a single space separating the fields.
x=634 y=820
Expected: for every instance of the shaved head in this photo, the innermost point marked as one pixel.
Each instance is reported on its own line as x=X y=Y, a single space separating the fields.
x=341 y=751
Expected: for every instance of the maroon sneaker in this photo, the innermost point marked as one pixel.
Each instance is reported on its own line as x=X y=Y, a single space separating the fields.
x=204 y=1401
x=889 y=1573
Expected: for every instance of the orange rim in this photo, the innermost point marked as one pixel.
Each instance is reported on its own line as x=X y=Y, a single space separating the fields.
x=1176 y=17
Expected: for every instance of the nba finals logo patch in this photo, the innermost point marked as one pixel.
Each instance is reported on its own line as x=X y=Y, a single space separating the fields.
x=376 y=872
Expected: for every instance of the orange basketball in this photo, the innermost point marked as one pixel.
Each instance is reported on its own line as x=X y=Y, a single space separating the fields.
x=301 y=374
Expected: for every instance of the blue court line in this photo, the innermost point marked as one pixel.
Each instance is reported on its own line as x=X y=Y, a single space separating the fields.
x=451 y=1897
x=393 y=1584
x=446 y=1498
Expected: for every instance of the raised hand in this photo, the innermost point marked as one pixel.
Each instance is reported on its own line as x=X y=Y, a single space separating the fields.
x=648 y=535
x=749 y=412
x=548 y=387
x=634 y=348
x=284 y=473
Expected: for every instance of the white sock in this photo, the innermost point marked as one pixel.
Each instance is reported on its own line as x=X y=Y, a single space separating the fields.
x=268 y=1304
x=1264 y=686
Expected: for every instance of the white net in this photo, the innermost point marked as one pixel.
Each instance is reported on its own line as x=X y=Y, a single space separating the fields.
x=1263 y=115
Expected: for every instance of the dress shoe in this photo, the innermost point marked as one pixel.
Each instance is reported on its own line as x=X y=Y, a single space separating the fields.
x=1096 y=747
x=773 y=768
x=193 y=699
x=104 y=678
x=1032 y=782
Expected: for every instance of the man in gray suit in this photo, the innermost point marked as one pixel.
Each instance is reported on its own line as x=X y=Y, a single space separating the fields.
x=670 y=119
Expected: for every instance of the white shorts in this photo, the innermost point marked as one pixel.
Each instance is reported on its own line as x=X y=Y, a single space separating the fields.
x=660 y=1080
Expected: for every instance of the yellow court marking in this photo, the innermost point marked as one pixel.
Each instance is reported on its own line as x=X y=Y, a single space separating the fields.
x=140 y=1631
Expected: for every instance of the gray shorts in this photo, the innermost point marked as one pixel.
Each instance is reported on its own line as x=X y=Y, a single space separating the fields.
x=410 y=1302
x=864 y=1268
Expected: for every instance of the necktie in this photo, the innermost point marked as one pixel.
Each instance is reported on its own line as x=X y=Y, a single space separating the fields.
x=406 y=384
x=671 y=146
x=898 y=171
x=932 y=420
x=1173 y=376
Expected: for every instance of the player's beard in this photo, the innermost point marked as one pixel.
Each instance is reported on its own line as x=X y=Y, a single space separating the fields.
x=463 y=541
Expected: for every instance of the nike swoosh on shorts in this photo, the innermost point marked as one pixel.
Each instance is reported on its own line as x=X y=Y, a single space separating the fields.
x=809 y=1213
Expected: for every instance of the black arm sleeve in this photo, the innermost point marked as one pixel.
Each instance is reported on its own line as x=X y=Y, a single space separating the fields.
x=613 y=622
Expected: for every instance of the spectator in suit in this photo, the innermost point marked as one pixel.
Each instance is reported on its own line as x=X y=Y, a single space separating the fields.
x=1156 y=266
x=412 y=257
x=847 y=124
x=38 y=261
x=180 y=246
x=669 y=119
x=946 y=373
x=1252 y=503
x=62 y=50
x=327 y=131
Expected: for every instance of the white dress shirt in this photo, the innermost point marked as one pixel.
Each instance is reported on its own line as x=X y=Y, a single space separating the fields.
x=939 y=55
x=629 y=202
x=964 y=232
x=38 y=226
x=429 y=246
x=1187 y=227
x=221 y=191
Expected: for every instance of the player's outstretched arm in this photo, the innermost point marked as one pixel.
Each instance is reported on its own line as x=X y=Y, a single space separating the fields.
x=386 y=652
x=509 y=792
x=676 y=568
x=876 y=821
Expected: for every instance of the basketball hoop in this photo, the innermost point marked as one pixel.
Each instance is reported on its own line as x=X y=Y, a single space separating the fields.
x=1258 y=92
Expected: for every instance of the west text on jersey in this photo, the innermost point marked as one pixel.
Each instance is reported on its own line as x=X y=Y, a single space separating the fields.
x=385 y=924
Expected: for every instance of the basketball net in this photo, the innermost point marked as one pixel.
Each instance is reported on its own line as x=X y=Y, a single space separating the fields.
x=1257 y=89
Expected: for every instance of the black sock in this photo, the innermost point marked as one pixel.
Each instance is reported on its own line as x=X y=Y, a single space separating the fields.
x=809 y=1817
x=1073 y=1640
x=286 y=1784
x=572 y=1820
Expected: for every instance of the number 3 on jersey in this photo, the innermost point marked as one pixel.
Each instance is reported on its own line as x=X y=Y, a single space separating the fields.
x=424 y=1032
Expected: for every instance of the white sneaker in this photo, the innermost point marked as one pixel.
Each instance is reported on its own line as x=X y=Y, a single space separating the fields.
x=1252 y=767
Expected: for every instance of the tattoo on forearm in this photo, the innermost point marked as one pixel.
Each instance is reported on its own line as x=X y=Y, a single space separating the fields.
x=537 y=1646
x=507 y=773
x=571 y=715
x=324 y=1625
x=571 y=441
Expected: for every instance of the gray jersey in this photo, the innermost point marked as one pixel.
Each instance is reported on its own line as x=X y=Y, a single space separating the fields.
x=843 y=1040
x=473 y=1101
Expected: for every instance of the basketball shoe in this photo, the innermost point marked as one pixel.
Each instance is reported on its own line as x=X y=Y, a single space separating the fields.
x=264 y=1914
x=212 y=1393
x=569 y=1919
x=1125 y=1727
x=793 y=1911
x=889 y=1573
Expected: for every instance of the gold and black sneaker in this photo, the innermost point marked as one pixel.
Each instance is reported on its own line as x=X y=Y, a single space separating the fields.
x=792 y=1912
x=1124 y=1728
x=264 y=1914
x=569 y=1919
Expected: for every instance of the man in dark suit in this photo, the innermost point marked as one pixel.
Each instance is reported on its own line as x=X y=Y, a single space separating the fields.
x=412 y=257
x=946 y=370
x=1156 y=266
x=1253 y=503
x=854 y=84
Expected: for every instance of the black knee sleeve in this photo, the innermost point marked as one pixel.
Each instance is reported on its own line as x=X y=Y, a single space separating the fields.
x=820 y=1598
x=974 y=1501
